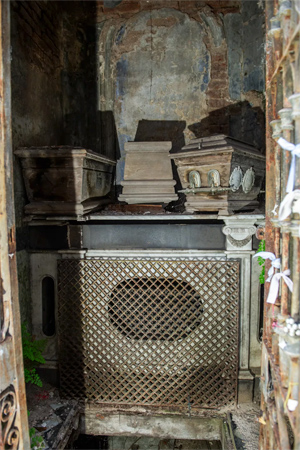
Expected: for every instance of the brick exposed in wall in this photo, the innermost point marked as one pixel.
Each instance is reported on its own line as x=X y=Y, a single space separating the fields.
x=115 y=40
x=225 y=107
x=127 y=8
x=38 y=25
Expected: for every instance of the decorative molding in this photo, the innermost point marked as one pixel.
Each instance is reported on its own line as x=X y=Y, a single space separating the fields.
x=194 y=179
x=236 y=179
x=276 y=128
x=213 y=178
x=239 y=242
x=228 y=230
x=239 y=234
x=248 y=180
x=295 y=101
x=285 y=115
x=9 y=433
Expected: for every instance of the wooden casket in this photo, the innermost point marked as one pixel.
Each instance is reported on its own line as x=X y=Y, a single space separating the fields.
x=220 y=174
x=65 y=180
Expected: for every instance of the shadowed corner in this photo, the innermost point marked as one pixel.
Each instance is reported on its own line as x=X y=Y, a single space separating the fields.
x=162 y=130
x=240 y=121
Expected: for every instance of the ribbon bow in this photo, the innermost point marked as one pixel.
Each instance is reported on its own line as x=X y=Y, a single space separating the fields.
x=275 y=262
x=274 y=286
x=285 y=208
x=295 y=150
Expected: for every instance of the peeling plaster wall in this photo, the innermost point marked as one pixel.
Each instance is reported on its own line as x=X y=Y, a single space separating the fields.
x=152 y=81
x=187 y=70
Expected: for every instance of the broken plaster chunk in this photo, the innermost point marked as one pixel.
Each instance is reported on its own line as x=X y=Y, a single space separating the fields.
x=56 y=405
x=52 y=422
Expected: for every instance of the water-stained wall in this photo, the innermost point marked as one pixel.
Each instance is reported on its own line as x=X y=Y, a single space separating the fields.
x=185 y=70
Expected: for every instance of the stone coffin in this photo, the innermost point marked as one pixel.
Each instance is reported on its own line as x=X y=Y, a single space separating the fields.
x=148 y=174
x=220 y=174
x=65 y=180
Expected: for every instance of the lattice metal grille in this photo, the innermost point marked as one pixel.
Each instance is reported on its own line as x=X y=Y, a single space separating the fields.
x=149 y=332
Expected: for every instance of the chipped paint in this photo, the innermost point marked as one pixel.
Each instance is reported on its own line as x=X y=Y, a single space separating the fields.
x=156 y=76
x=166 y=64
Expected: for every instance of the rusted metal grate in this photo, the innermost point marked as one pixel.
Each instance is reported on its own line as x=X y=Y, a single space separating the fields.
x=149 y=332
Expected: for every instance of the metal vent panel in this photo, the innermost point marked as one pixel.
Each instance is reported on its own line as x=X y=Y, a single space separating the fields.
x=149 y=332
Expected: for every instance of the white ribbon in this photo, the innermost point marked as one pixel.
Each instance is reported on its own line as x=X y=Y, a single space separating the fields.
x=274 y=210
x=295 y=150
x=275 y=262
x=274 y=286
x=292 y=404
x=285 y=208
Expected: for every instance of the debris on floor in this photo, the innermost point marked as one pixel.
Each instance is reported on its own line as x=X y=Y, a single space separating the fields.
x=51 y=417
x=56 y=419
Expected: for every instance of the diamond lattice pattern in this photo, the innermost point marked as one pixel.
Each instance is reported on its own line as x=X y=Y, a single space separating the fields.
x=149 y=332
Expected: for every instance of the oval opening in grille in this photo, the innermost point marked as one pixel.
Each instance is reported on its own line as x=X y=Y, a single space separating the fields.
x=155 y=308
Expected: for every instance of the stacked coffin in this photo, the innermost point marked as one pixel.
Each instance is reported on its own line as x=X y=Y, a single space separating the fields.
x=148 y=173
x=221 y=174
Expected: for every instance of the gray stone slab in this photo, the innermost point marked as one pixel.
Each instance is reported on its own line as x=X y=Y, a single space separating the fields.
x=163 y=427
x=173 y=236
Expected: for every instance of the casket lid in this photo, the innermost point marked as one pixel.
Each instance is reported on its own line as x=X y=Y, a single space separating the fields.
x=61 y=151
x=217 y=143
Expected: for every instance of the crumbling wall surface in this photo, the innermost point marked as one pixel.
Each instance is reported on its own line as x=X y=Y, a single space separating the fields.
x=190 y=67
x=246 y=63
x=36 y=103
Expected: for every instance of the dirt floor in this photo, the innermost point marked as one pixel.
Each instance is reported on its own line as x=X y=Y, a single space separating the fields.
x=246 y=426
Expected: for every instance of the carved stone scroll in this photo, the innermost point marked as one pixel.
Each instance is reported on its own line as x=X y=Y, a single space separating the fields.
x=9 y=433
x=239 y=232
